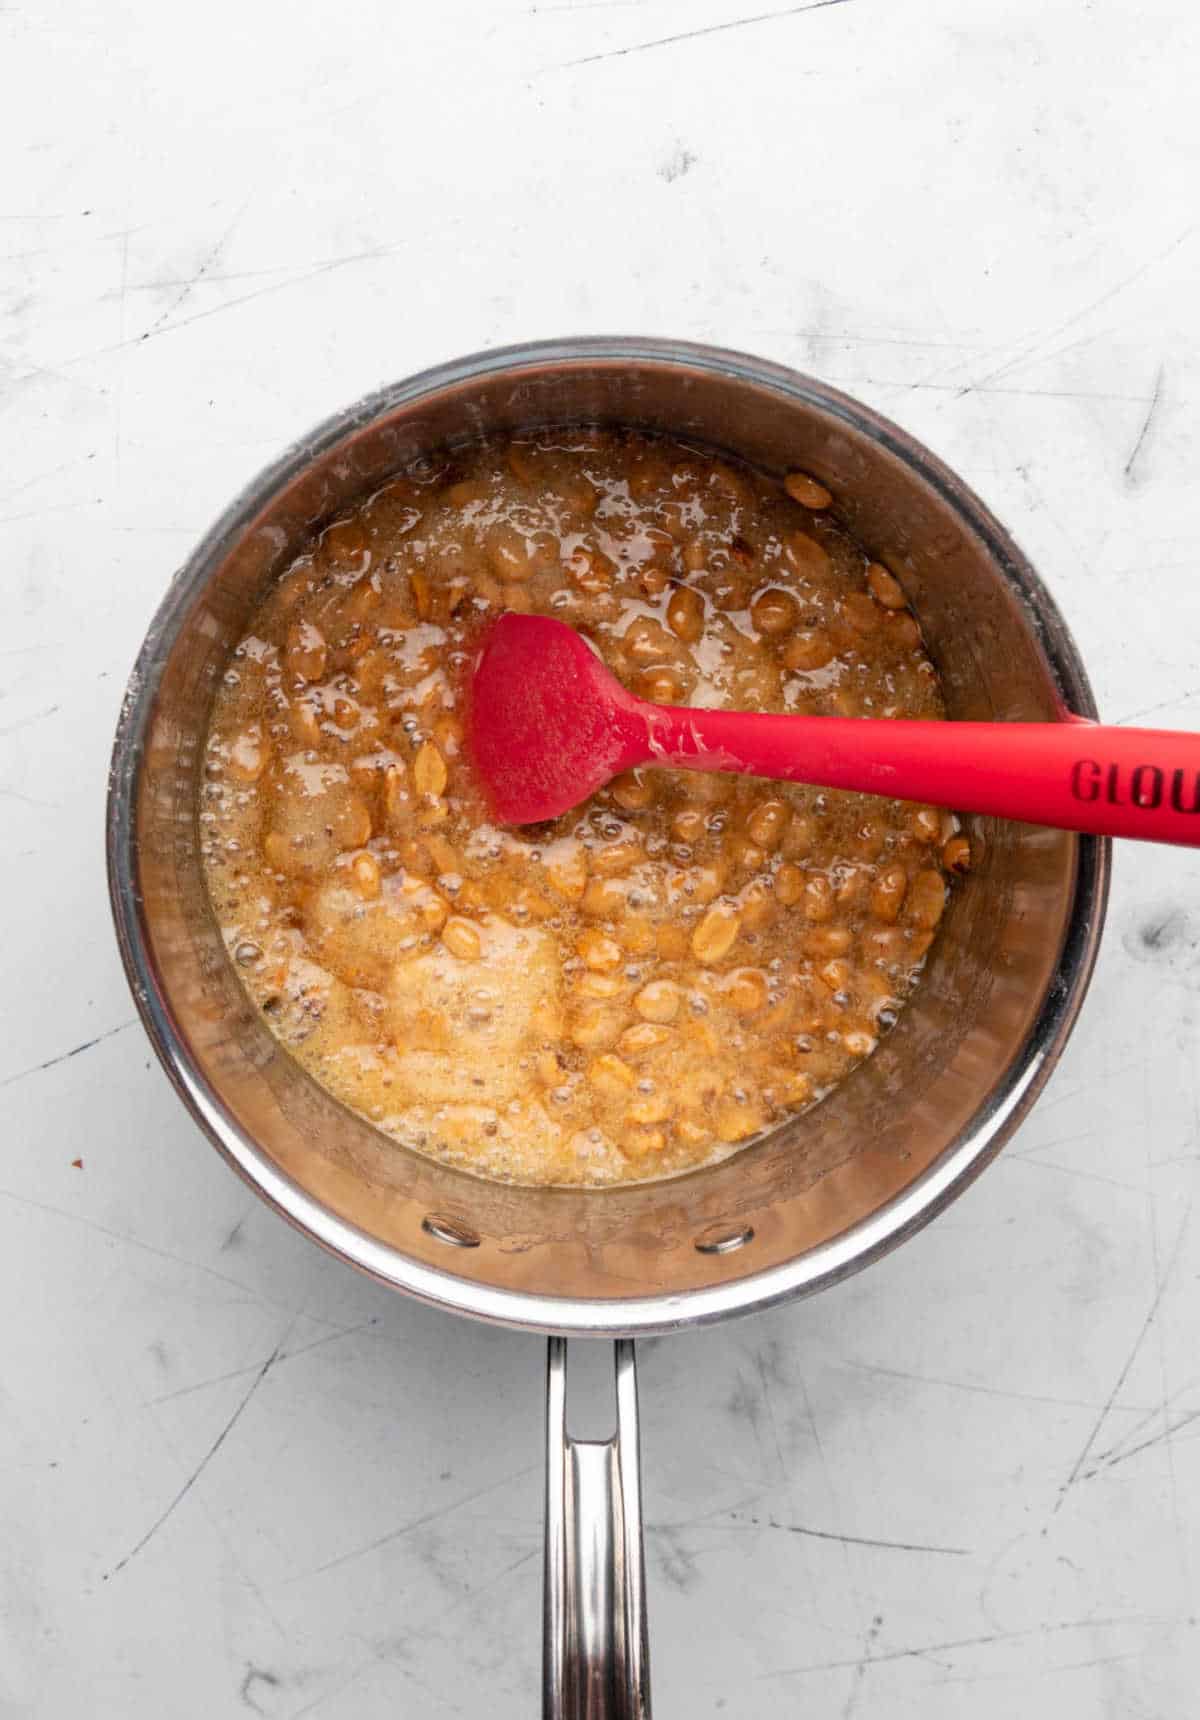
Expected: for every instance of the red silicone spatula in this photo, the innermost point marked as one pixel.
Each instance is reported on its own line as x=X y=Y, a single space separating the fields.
x=550 y=725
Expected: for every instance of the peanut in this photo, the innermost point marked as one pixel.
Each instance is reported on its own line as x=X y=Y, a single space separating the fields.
x=364 y=869
x=633 y=791
x=644 y=1037
x=925 y=822
x=248 y=754
x=789 y=884
x=306 y=651
x=767 y=823
x=603 y=899
x=429 y=770
x=658 y=1001
x=462 y=939
x=716 y=935
x=746 y=992
x=805 y=490
x=818 y=899
x=805 y=556
x=685 y=614
x=774 y=611
x=616 y=857
x=567 y=873
x=885 y=588
x=598 y=951
x=887 y=893
x=654 y=1108
x=956 y=854
x=593 y=984
x=926 y=900
x=738 y=1122
x=609 y=1075
x=808 y=649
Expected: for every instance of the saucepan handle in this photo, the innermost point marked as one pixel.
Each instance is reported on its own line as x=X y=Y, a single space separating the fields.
x=596 y=1663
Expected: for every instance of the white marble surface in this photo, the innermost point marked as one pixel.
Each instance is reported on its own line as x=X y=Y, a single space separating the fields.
x=234 y=1477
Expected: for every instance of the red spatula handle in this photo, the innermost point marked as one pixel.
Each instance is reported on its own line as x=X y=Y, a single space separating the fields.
x=1074 y=775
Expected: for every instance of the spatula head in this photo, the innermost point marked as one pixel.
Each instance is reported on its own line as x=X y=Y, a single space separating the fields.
x=548 y=724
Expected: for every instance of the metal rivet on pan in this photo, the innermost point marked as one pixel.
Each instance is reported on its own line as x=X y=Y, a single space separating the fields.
x=717 y=1239
x=449 y=1230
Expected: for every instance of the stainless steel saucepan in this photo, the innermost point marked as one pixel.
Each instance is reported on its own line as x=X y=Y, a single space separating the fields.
x=814 y=1200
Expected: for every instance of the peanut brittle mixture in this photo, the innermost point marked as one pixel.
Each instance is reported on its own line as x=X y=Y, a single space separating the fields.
x=651 y=981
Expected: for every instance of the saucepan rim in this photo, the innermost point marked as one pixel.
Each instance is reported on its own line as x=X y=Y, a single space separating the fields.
x=999 y=1113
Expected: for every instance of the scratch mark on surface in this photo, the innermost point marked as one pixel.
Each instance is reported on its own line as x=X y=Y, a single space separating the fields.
x=1052 y=1145
x=1143 y=1422
x=223 y=277
x=352 y=1677
x=985 y=1641
x=1131 y=476
x=28 y=800
x=41 y=477
x=1057 y=1671
x=240 y=1373
x=1073 y=1171
x=193 y=281
x=1031 y=347
x=393 y=1654
x=27 y=722
x=925 y=385
x=693 y=35
x=970 y=1386
x=867 y=1540
x=694 y=1519
x=832 y=1491
x=586 y=6
x=204 y=1462
x=1164 y=705
x=1164 y=1433
x=678 y=1565
x=420 y=1522
x=676 y=165
x=860 y=1670
x=298 y=279
x=119 y=391
x=256 y=1675
x=1159 y=1293
x=66 y=1056
x=51 y=508
x=147 y=531
x=823 y=336
x=1113 y=1457
x=235 y=1234
x=1041 y=503
x=761 y=1369
x=472 y=1595
x=246 y=1292
x=1060 y=1094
